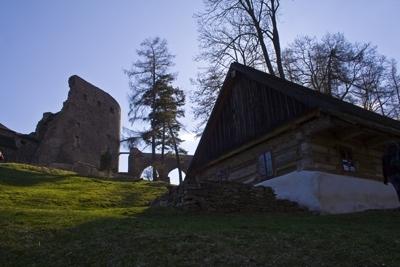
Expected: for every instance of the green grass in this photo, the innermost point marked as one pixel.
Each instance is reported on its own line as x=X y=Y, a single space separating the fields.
x=56 y=218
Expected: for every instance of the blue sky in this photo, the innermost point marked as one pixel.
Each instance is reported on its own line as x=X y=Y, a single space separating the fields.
x=42 y=43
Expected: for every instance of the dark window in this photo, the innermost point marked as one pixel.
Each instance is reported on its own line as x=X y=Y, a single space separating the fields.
x=85 y=97
x=347 y=162
x=112 y=110
x=99 y=103
x=265 y=168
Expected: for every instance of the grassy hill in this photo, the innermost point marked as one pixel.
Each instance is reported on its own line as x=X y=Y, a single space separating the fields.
x=53 y=217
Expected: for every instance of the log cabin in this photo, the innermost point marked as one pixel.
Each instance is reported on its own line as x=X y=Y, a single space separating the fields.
x=267 y=131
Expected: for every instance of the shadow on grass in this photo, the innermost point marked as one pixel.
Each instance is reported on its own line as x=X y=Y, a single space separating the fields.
x=133 y=235
x=32 y=175
x=18 y=177
x=163 y=237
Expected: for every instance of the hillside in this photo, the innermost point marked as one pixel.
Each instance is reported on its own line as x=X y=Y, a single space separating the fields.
x=53 y=217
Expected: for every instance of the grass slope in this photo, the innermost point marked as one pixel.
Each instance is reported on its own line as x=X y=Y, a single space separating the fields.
x=53 y=217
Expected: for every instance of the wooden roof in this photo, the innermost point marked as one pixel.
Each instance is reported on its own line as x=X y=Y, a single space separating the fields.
x=253 y=99
x=3 y=127
x=312 y=97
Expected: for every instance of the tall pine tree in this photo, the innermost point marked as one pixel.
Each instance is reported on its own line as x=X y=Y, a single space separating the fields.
x=154 y=61
x=154 y=101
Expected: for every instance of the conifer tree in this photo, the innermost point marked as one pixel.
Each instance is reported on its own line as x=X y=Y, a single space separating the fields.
x=154 y=61
x=154 y=101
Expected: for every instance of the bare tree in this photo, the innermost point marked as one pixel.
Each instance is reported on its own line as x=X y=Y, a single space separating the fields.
x=208 y=84
x=330 y=66
x=245 y=31
x=353 y=72
x=370 y=87
x=393 y=78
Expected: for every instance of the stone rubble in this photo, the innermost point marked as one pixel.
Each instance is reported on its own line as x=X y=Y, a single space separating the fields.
x=226 y=197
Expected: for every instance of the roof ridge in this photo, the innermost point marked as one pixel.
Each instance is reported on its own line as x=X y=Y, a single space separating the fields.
x=2 y=126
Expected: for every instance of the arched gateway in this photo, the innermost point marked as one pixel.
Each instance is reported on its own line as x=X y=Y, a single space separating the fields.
x=139 y=160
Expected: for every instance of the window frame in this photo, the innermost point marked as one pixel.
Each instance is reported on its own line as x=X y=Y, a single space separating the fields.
x=265 y=165
x=347 y=162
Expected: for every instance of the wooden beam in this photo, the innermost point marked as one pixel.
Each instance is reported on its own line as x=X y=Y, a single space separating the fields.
x=359 y=122
x=351 y=133
x=349 y=129
x=380 y=140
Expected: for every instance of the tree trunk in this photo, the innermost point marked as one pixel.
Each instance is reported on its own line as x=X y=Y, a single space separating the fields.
x=381 y=105
x=163 y=143
x=162 y=167
x=153 y=130
x=260 y=36
x=275 y=39
x=153 y=156
x=178 y=161
x=328 y=90
x=265 y=51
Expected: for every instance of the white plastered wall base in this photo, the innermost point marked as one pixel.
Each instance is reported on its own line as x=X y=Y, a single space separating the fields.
x=329 y=193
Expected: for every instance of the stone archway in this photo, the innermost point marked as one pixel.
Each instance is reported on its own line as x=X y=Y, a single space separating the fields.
x=138 y=161
x=123 y=159
x=147 y=174
x=174 y=176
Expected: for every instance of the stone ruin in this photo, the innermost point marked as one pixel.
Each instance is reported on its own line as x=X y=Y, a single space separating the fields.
x=75 y=138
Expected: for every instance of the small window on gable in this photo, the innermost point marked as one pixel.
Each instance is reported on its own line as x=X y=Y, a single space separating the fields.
x=98 y=103
x=265 y=168
x=347 y=162
x=111 y=110
x=85 y=97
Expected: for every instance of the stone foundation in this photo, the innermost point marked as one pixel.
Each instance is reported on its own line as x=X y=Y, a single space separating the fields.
x=330 y=193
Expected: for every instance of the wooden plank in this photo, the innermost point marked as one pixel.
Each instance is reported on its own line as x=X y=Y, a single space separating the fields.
x=270 y=135
x=244 y=172
x=281 y=170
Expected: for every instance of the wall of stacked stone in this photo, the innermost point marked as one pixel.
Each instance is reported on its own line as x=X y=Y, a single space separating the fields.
x=226 y=197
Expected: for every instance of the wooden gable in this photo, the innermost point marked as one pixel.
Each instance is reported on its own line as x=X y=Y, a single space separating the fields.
x=246 y=110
